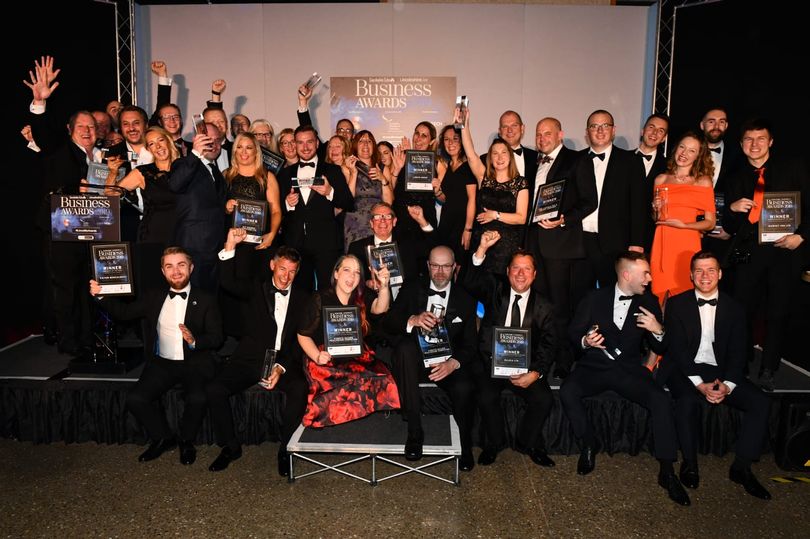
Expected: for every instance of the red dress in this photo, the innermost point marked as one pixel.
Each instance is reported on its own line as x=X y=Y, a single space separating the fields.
x=346 y=389
x=673 y=248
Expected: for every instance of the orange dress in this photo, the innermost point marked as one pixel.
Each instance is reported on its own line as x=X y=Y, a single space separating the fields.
x=673 y=248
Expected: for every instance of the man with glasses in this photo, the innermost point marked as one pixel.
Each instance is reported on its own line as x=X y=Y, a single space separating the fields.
x=412 y=312
x=619 y=222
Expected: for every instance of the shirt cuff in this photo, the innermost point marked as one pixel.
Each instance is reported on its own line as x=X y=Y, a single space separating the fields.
x=731 y=386
x=283 y=370
x=478 y=261
x=36 y=109
x=198 y=154
x=164 y=81
x=408 y=328
x=289 y=208
x=303 y=110
x=33 y=147
x=696 y=380
x=427 y=228
x=226 y=255
x=331 y=195
x=658 y=337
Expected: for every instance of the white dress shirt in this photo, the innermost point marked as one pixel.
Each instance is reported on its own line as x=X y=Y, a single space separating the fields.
x=705 y=353
x=648 y=163
x=522 y=303
x=717 y=160
x=591 y=222
x=172 y=314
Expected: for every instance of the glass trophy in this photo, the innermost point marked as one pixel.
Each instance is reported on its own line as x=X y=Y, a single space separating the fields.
x=660 y=204
x=267 y=367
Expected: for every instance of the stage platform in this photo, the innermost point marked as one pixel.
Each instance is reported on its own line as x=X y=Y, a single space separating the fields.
x=42 y=402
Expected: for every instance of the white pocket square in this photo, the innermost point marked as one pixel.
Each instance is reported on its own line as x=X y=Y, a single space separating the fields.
x=456 y=320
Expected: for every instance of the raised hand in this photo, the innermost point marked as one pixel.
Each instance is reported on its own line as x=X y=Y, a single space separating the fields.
x=159 y=68
x=42 y=82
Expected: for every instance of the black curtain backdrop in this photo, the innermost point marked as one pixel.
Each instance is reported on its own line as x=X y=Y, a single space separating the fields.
x=81 y=36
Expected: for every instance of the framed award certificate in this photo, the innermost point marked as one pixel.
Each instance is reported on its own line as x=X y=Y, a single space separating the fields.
x=510 y=352
x=549 y=199
x=781 y=215
x=388 y=254
x=419 y=170
x=250 y=215
x=273 y=162
x=342 y=336
x=112 y=268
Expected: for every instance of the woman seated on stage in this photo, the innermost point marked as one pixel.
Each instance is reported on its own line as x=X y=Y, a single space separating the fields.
x=342 y=390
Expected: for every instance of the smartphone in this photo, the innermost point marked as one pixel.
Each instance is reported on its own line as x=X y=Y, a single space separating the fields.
x=199 y=124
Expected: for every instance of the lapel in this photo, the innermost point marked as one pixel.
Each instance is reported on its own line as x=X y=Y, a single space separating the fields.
x=611 y=166
x=528 y=316
x=192 y=307
x=604 y=309
x=421 y=299
x=721 y=327
x=269 y=298
x=693 y=325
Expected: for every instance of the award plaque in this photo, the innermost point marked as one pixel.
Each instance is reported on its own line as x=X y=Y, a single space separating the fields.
x=97 y=177
x=267 y=367
x=660 y=204
x=781 y=215
x=342 y=336
x=435 y=345
x=510 y=352
x=719 y=207
x=85 y=218
x=273 y=162
x=388 y=254
x=299 y=183
x=549 y=199
x=112 y=268
x=419 y=170
x=461 y=106
x=250 y=215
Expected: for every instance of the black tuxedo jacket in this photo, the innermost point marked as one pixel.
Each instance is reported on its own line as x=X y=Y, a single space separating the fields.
x=260 y=333
x=733 y=159
x=408 y=257
x=202 y=319
x=683 y=335
x=314 y=224
x=622 y=213
x=597 y=308
x=459 y=318
x=200 y=205
x=579 y=199
x=494 y=294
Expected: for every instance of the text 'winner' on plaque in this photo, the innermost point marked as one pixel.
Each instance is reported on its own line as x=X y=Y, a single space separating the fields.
x=388 y=254
x=419 y=170
x=250 y=215
x=267 y=367
x=549 y=199
x=510 y=352
x=112 y=268
x=273 y=162
x=97 y=177
x=85 y=218
x=342 y=337
x=781 y=215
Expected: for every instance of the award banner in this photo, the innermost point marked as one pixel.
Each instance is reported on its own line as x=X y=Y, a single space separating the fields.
x=112 y=268
x=781 y=215
x=510 y=352
x=85 y=218
x=273 y=162
x=342 y=336
x=420 y=167
x=97 y=177
x=388 y=254
x=390 y=107
x=549 y=198
x=250 y=215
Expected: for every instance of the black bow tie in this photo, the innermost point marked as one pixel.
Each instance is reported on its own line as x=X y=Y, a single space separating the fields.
x=441 y=294
x=544 y=159
x=601 y=156
x=518 y=150
x=279 y=290
x=644 y=155
x=306 y=164
x=172 y=293
x=716 y=150
x=625 y=298
x=702 y=302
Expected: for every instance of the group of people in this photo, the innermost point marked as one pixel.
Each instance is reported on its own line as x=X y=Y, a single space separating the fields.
x=572 y=280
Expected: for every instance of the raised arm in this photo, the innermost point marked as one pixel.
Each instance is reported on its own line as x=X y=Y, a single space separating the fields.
x=479 y=169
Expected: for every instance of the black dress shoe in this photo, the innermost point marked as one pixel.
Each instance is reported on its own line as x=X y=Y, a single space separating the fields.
x=540 y=458
x=487 y=456
x=157 y=448
x=283 y=463
x=749 y=482
x=587 y=460
x=413 y=445
x=675 y=490
x=226 y=456
x=689 y=475
x=188 y=453
x=466 y=463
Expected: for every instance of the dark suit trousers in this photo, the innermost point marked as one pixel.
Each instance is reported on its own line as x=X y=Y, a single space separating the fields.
x=598 y=265
x=776 y=269
x=746 y=397
x=318 y=263
x=538 y=400
x=159 y=376
x=409 y=370
x=633 y=382
x=238 y=375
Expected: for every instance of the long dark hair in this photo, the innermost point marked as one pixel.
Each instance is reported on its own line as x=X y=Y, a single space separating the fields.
x=357 y=296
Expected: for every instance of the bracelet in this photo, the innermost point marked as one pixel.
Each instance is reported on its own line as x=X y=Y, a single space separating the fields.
x=216 y=93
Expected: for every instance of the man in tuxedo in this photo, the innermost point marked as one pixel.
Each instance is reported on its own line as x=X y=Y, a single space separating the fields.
x=275 y=306
x=609 y=326
x=705 y=360
x=168 y=115
x=309 y=221
x=412 y=313
x=620 y=221
x=515 y=305
x=217 y=117
x=557 y=243
x=200 y=187
x=770 y=268
x=651 y=153
x=183 y=327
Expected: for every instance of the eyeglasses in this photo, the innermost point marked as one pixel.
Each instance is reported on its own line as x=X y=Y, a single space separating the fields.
x=445 y=267
x=287 y=143
x=382 y=217
x=263 y=135
x=175 y=117
x=597 y=127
